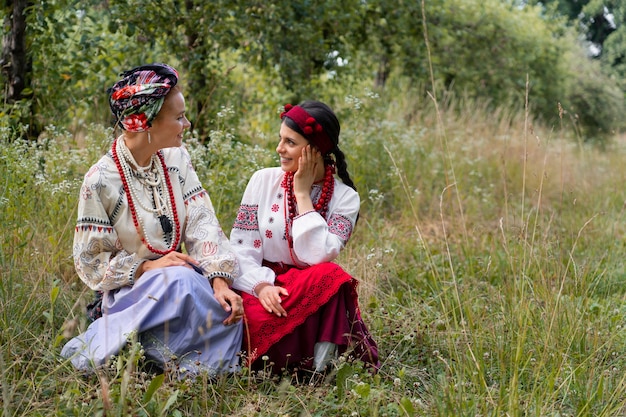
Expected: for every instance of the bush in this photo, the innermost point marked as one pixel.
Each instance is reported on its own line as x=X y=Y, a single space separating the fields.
x=594 y=102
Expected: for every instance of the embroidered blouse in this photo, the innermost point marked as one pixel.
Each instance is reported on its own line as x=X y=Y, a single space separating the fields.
x=108 y=250
x=259 y=230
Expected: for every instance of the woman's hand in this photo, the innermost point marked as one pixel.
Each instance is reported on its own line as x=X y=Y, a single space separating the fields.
x=229 y=299
x=308 y=169
x=171 y=259
x=269 y=296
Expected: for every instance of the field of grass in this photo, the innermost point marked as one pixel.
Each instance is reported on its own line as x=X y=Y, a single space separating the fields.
x=489 y=250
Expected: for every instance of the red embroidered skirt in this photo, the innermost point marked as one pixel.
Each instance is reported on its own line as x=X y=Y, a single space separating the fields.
x=322 y=306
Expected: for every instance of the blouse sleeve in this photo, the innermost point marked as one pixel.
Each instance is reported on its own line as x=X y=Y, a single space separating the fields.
x=316 y=240
x=246 y=240
x=100 y=261
x=203 y=236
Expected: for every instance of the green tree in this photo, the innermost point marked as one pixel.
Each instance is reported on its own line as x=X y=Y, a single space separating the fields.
x=391 y=37
x=296 y=41
x=300 y=40
x=595 y=93
x=480 y=49
x=603 y=24
x=70 y=60
x=489 y=49
x=613 y=57
x=596 y=19
x=189 y=34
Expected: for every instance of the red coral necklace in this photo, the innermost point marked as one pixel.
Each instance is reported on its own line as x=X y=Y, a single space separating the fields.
x=291 y=205
x=124 y=170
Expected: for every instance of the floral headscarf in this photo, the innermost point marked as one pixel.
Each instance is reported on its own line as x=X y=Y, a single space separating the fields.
x=136 y=99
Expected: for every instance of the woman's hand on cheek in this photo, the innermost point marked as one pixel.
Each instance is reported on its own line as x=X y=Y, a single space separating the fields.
x=307 y=168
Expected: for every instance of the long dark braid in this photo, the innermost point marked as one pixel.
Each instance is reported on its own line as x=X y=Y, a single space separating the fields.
x=342 y=167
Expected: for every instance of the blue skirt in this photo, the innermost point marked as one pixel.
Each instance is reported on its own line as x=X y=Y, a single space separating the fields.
x=177 y=319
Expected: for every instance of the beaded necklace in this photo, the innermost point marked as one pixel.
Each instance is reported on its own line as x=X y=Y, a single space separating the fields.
x=153 y=175
x=291 y=206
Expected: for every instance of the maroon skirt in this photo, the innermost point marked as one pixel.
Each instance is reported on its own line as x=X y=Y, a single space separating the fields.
x=322 y=306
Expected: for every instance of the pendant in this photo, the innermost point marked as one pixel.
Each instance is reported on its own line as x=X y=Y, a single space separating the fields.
x=166 y=224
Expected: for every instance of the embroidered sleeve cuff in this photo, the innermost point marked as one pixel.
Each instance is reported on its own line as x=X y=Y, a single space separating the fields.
x=304 y=214
x=257 y=286
x=133 y=271
x=228 y=277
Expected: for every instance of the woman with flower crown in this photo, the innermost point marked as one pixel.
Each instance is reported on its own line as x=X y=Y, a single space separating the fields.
x=301 y=310
x=139 y=204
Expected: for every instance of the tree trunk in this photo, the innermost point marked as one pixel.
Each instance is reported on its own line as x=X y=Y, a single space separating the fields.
x=383 y=72
x=16 y=68
x=14 y=62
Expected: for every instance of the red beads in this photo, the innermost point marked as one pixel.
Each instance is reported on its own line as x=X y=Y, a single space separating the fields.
x=322 y=202
x=133 y=210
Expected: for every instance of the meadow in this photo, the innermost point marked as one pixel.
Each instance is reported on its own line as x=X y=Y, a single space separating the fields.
x=489 y=252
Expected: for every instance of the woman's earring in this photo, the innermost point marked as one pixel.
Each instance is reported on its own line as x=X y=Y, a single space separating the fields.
x=149 y=139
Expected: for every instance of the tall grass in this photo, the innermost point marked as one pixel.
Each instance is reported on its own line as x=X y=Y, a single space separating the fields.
x=489 y=251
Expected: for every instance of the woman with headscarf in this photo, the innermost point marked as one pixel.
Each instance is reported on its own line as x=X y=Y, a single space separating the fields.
x=138 y=205
x=301 y=309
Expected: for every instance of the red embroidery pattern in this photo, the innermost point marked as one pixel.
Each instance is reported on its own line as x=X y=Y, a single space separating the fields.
x=275 y=207
x=86 y=192
x=94 y=227
x=268 y=234
x=341 y=226
x=209 y=248
x=199 y=193
x=257 y=243
x=247 y=217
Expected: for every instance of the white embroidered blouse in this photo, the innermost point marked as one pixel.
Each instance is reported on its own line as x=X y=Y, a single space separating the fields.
x=259 y=230
x=107 y=248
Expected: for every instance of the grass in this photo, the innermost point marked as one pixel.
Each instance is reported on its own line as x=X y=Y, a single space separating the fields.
x=489 y=250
